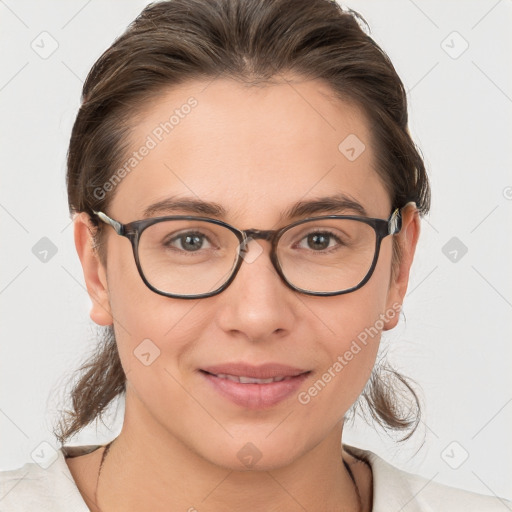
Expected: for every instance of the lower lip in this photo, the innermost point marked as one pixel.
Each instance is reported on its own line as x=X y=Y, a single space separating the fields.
x=255 y=396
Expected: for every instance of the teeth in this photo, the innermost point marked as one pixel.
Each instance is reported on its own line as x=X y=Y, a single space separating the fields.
x=250 y=380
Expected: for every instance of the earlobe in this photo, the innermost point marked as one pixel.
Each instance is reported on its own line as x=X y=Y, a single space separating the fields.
x=408 y=239
x=94 y=272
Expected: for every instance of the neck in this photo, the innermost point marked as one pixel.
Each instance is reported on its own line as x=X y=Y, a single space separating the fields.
x=149 y=469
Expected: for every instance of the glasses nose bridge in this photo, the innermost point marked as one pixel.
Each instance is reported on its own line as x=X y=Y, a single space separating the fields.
x=270 y=235
x=259 y=234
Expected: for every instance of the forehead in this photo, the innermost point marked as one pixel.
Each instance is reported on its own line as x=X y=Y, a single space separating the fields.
x=253 y=149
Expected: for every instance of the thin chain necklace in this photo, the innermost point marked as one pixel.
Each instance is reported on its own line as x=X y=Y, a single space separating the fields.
x=356 y=487
x=347 y=467
x=105 y=451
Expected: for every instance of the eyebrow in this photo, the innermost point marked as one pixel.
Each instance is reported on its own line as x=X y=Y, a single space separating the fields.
x=337 y=203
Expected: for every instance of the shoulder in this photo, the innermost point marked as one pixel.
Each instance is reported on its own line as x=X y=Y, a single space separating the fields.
x=395 y=489
x=43 y=487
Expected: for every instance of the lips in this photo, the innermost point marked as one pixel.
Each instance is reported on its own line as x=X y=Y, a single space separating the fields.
x=254 y=387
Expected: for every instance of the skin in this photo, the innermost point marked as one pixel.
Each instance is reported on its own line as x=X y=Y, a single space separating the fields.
x=255 y=151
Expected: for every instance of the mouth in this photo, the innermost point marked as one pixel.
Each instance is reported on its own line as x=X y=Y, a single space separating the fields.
x=249 y=380
x=254 y=387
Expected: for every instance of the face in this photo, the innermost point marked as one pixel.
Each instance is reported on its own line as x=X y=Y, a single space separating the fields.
x=254 y=151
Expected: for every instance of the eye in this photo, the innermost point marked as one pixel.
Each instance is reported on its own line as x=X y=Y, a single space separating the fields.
x=190 y=241
x=320 y=240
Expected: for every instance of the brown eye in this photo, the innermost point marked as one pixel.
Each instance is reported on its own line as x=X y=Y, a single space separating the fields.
x=189 y=242
x=319 y=241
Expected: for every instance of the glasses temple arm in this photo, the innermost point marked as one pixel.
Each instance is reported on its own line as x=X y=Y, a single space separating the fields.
x=107 y=220
x=395 y=222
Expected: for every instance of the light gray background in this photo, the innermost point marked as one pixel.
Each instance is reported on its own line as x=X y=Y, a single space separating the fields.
x=456 y=342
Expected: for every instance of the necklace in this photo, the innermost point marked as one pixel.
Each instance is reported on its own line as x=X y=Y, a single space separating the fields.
x=105 y=451
x=347 y=467
x=356 y=487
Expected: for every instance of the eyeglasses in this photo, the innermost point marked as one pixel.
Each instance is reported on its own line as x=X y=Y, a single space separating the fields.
x=189 y=257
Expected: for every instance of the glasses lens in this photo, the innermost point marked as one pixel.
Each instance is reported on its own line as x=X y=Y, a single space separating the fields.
x=187 y=257
x=328 y=255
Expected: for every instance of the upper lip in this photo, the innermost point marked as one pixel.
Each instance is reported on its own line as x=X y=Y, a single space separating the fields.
x=263 y=371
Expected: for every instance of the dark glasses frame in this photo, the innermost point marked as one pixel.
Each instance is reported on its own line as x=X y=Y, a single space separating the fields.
x=133 y=231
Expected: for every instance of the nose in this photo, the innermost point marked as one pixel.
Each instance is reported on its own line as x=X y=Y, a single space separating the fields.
x=257 y=304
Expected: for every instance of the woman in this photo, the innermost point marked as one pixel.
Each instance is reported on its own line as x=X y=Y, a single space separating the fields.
x=246 y=201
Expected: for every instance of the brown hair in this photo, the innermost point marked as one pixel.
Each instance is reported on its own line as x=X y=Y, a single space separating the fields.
x=175 y=41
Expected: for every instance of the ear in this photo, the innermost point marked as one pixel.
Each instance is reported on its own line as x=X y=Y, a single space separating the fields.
x=407 y=239
x=94 y=272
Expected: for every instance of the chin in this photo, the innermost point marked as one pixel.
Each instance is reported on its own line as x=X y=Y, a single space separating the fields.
x=259 y=452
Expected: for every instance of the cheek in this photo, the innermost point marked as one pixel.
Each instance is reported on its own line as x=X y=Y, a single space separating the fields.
x=149 y=327
x=155 y=337
x=355 y=322
x=349 y=357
